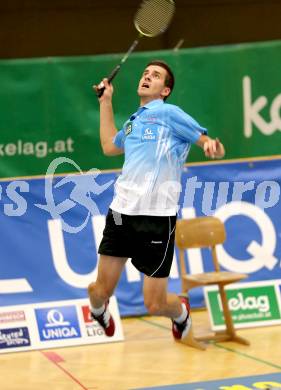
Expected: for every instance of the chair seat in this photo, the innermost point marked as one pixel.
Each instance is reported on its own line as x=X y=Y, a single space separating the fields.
x=208 y=278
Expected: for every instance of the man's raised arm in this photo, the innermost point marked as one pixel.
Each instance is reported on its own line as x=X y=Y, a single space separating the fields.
x=107 y=125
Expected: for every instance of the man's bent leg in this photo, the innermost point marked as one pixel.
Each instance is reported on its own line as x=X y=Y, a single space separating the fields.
x=109 y=271
x=159 y=302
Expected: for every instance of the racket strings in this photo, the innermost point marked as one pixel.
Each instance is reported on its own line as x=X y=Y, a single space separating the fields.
x=154 y=16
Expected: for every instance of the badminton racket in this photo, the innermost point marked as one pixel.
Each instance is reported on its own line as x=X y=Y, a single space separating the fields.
x=151 y=19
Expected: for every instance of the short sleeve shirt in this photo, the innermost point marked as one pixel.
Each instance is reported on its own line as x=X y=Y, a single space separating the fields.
x=156 y=141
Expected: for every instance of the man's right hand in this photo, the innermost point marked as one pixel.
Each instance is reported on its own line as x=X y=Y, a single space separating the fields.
x=107 y=93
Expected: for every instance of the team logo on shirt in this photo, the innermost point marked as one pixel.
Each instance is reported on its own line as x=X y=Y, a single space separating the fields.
x=129 y=128
x=149 y=134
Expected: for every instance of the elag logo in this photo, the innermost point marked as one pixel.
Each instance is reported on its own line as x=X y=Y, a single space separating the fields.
x=14 y=338
x=57 y=323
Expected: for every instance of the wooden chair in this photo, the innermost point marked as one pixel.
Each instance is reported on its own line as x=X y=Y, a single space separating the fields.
x=206 y=232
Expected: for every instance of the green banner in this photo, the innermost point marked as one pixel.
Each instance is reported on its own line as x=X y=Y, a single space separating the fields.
x=251 y=304
x=48 y=108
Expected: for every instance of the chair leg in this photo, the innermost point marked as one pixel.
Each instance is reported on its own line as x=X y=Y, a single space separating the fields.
x=230 y=330
x=228 y=335
x=191 y=341
x=226 y=312
x=240 y=340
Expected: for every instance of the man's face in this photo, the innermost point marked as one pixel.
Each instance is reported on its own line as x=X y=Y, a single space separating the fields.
x=152 y=83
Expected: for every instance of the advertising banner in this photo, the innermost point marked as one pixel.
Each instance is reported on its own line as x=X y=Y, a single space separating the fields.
x=50 y=229
x=251 y=304
x=53 y=324
x=48 y=108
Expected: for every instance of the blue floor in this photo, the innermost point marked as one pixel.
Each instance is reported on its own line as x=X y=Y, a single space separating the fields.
x=266 y=382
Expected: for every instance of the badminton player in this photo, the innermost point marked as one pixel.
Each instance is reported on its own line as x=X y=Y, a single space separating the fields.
x=141 y=220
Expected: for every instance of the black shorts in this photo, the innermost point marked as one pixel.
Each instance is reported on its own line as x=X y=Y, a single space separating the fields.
x=147 y=240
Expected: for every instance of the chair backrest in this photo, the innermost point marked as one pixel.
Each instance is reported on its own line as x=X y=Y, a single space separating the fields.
x=199 y=232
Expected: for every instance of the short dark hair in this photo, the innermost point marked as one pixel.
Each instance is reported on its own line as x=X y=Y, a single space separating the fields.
x=170 y=78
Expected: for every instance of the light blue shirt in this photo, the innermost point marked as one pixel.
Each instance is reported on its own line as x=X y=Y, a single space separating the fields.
x=156 y=141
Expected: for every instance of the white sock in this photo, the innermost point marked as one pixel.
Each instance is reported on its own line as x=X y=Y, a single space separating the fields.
x=97 y=311
x=181 y=318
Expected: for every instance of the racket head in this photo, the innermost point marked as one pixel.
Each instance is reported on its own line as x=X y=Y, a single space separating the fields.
x=154 y=16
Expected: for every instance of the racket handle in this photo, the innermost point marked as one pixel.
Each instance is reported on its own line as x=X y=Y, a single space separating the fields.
x=100 y=92
x=110 y=78
x=117 y=68
x=114 y=73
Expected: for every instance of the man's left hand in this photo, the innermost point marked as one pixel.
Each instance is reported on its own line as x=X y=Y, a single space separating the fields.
x=213 y=148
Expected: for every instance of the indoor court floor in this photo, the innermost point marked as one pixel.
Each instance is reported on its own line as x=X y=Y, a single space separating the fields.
x=148 y=357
